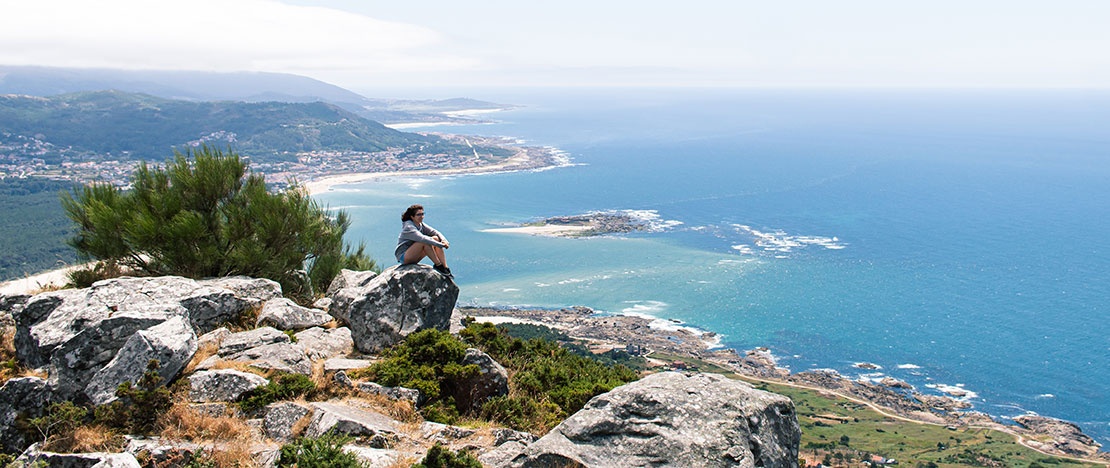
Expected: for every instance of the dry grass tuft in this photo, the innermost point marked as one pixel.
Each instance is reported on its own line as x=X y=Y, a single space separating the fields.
x=182 y=422
x=204 y=352
x=232 y=455
x=96 y=438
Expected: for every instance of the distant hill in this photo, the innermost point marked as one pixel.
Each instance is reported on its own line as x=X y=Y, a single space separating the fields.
x=139 y=126
x=239 y=86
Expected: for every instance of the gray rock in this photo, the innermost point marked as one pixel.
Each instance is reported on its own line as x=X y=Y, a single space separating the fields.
x=253 y=290
x=492 y=380
x=172 y=343
x=503 y=435
x=323 y=303
x=280 y=419
x=284 y=314
x=319 y=343
x=1066 y=437
x=433 y=430
x=393 y=393
x=674 y=419
x=238 y=342
x=77 y=360
x=285 y=357
x=341 y=378
x=399 y=301
x=213 y=338
x=10 y=305
x=223 y=384
x=50 y=319
x=26 y=396
x=341 y=364
x=33 y=455
x=349 y=279
x=374 y=457
x=504 y=455
x=34 y=340
x=161 y=452
x=348 y=420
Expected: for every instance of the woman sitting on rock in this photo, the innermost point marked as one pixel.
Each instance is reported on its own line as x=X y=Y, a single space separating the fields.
x=419 y=240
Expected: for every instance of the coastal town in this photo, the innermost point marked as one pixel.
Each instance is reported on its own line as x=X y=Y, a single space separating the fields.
x=23 y=157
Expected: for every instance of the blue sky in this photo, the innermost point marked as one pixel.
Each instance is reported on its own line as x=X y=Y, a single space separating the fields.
x=370 y=44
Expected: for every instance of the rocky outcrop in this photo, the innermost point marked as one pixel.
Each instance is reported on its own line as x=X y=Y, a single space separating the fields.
x=401 y=300
x=672 y=419
x=49 y=320
x=284 y=314
x=1066 y=437
x=172 y=343
x=264 y=348
x=222 y=385
x=26 y=397
x=492 y=380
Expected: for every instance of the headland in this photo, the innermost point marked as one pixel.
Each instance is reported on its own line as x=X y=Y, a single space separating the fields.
x=674 y=345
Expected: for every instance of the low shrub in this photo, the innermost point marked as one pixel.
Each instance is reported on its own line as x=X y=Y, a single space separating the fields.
x=440 y=457
x=545 y=373
x=325 y=451
x=140 y=406
x=282 y=387
x=429 y=361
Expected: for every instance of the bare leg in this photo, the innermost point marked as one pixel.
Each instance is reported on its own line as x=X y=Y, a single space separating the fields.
x=418 y=251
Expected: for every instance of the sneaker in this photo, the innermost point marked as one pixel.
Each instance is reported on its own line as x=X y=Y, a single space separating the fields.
x=444 y=271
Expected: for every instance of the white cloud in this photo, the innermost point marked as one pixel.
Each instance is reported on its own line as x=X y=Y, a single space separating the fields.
x=224 y=35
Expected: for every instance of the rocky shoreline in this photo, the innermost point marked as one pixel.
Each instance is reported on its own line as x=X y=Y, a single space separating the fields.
x=895 y=398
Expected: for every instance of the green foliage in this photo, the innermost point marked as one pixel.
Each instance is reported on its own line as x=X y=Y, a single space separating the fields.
x=139 y=406
x=429 y=361
x=34 y=228
x=85 y=277
x=440 y=457
x=59 y=420
x=282 y=387
x=129 y=125
x=325 y=451
x=544 y=373
x=203 y=215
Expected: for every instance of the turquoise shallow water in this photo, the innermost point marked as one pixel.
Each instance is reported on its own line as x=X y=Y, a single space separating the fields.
x=953 y=238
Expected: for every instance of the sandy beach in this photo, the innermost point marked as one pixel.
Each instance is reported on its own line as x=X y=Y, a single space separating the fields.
x=526 y=158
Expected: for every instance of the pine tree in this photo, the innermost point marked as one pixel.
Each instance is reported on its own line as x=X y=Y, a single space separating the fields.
x=205 y=215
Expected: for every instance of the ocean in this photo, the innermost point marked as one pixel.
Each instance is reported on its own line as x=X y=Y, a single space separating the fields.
x=956 y=239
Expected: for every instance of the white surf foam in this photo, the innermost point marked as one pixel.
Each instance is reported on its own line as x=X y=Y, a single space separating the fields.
x=908 y=366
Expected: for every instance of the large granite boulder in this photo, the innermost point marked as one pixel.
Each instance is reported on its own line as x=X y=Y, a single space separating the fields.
x=50 y=319
x=401 y=300
x=671 y=419
x=492 y=380
x=24 y=396
x=76 y=361
x=349 y=279
x=284 y=314
x=172 y=343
